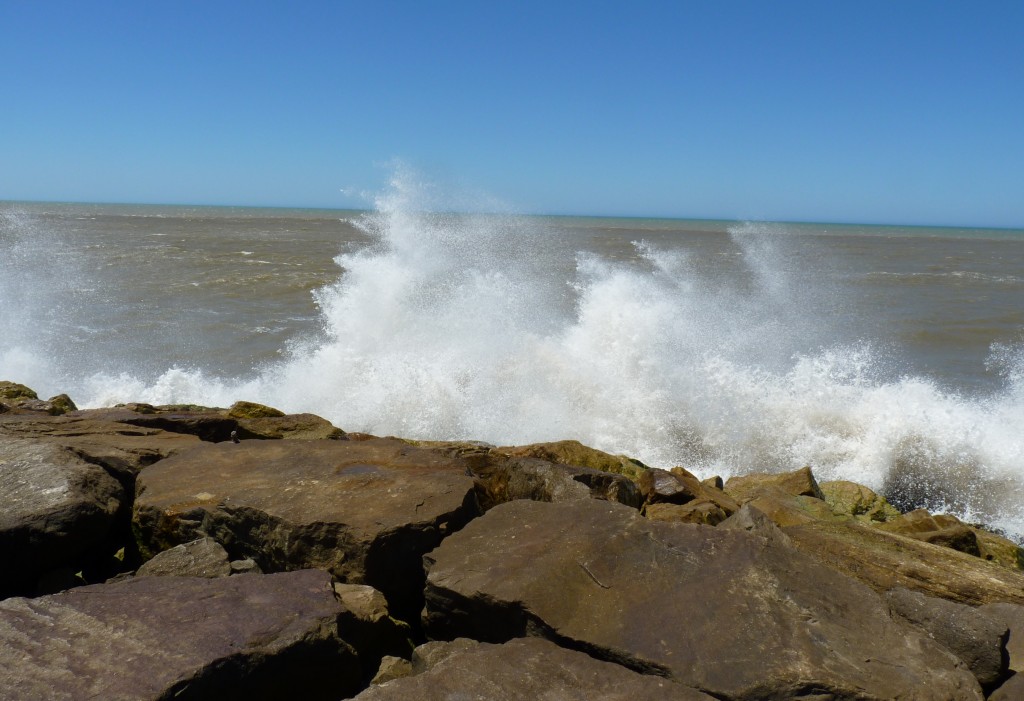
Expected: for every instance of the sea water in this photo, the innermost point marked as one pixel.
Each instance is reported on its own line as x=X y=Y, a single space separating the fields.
x=891 y=356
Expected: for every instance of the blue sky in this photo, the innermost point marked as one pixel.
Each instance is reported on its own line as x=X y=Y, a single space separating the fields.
x=858 y=111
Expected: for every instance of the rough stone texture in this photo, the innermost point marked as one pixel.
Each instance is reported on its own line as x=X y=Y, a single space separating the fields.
x=500 y=480
x=1012 y=616
x=13 y=391
x=697 y=511
x=56 y=510
x=796 y=483
x=200 y=558
x=596 y=576
x=267 y=637
x=366 y=511
x=575 y=453
x=246 y=566
x=524 y=670
x=304 y=427
x=884 y=560
x=967 y=632
x=751 y=520
x=1011 y=690
x=938 y=529
x=998 y=549
x=856 y=500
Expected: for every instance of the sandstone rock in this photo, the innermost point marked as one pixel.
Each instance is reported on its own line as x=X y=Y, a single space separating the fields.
x=525 y=670
x=61 y=404
x=681 y=487
x=1012 y=616
x=58 y=510
x=200 y=558
x=751 y=520
x=1003 y=551
x=575 y=453
x=697 y=511
x=885 y=560
x=856 y=500
x=938 y=529
x=366 y=511
x=246 y=566
x=594 y=575
x=501 y=480
x=268 y=637
x=796 y=483
x=252 y=410
x=970 y=634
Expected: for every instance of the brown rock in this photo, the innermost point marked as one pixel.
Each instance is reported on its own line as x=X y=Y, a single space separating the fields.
x=885 y=560
x=12 y=391
x=500 y=480
x=252 y=410
x=267 y=637
x=1011 y=690
x=200 y=558
x=58 y=511
x=939 y=529
x=969 y=633
x=700 y=511
x=370 y=628
x=575 y=453
x=1012 y=616
x=589 y=574
x=366 y=511
x=523 y=670
x=856 y=500
x=796 y=483
x=304 y=427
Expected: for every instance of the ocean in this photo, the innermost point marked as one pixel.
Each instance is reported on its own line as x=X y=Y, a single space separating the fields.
x=891 y=356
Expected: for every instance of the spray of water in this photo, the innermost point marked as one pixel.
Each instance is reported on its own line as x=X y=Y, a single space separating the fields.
x=453 y=327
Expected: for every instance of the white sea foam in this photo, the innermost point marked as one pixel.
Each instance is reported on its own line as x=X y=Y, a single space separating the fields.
x=456 y=327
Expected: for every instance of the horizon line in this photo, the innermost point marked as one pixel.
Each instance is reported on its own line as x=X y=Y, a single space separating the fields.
x=528 y=214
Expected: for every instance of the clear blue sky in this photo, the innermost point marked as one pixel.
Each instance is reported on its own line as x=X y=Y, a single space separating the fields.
x=863 y=111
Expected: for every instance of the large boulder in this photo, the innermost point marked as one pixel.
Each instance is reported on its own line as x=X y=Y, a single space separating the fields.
x=852 y=499
x=521 y=670
x=1012 y=616
x=58 y=511
x=257 y=637
x=204 y=557
x=364 y=510
x=724 y=611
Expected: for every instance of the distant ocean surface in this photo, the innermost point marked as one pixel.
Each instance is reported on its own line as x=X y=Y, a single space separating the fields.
x=892 y=356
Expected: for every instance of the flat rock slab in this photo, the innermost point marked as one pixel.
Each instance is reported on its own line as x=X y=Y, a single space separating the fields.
x=522 y=670
x=56 y=507
x=256 y=637
x=723 y=611
x=364 y=510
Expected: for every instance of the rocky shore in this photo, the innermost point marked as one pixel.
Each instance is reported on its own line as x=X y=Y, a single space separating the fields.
x=185 y=552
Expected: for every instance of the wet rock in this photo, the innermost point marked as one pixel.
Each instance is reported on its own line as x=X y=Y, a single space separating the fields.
x=204 y=557
x=885 y=560
x=526 y=670
x=588 y=574
x=305 y=427
x=970 y=634
x=996 y=548
x=575 y=453
x=856 y=500
x=268 y=637
x=366 y=511
x=58 y=511
x=500 y=480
